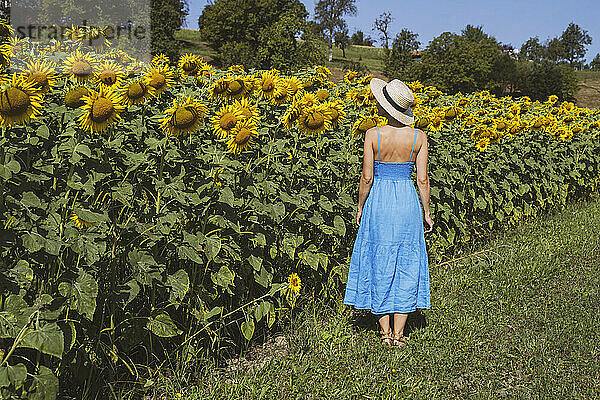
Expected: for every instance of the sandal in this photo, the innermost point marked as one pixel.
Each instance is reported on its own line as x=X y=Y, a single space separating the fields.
x=399 y=340
x=386 y=337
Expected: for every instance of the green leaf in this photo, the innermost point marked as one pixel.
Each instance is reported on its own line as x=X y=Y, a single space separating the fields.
x=224 y=277
x=48 y=339
x=256 y=262
x=179 y=283
x=163 y=326
x=212 y=248
x=13 y=374
x=248 y=329
x=339 y=225
x=32 y=241
x=30 y=199
x=82 y=294
x=22 y=274
x=263 y=309
x=263 y=278
x=45 y=384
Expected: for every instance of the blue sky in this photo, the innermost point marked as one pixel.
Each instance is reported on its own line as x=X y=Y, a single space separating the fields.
x=509 y=21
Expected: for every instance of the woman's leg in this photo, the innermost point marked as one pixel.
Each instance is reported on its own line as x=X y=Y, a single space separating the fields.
x=384 y=322
x=399 y=322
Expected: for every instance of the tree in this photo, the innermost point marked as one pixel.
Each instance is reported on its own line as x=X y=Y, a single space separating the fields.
x=477 y=35
x=532 y=50
x=359 y=39
x=382 y=25
x=330 y=16
x=574 y=40
x=166 y=17
x=398 y=59
x=342 y=40
x=256 y=33
x=555 y=50
x=595 y=63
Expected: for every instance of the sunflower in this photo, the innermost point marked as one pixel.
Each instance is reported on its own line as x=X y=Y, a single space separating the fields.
x=336 y=109
x=238 y=88
x=236 y=68
x=249 y=110
x=219 y=89
x=315 y=119
x=74 y=96
x=422 y=122
x=350 y=75
x=483 y=143
x=96 y=37
x=109 y=74
x=5 y=29
x=291 y=116
x=102 y=110
x=6 y=52
x=80 y=66
x=268 y=84
x=160 y=59
x=19 y=102
x=73 y=33
x=294 y=283
x=184 y=117
x=280 y=94
x=225 y=120
x=136 y=92
x=366 y=122
x=307 y=99
x=160 y=77
x=293 y=86
x=189 y=64
x=322 y=94
x=80 y=223
x=242 y=136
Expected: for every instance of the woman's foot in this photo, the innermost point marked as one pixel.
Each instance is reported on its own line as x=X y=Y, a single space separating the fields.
x=386 y=337
x=398 y=339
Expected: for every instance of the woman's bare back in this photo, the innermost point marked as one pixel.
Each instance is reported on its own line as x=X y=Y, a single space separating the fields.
x=396 y=144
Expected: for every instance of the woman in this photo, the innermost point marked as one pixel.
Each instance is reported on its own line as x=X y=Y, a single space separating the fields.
x=389 y=270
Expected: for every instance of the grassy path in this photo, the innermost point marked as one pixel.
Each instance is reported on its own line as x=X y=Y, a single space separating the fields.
x=518 y=317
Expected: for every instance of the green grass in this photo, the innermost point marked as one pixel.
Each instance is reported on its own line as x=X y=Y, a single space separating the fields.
x=588 y=75
x=189 y=41
x=515 y=317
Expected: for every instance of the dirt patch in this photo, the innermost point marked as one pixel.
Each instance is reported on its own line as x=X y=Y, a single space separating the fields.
x=258 y=357
x=589 y=93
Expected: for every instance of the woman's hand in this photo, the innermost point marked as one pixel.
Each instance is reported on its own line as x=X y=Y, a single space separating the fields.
x=429 y=221
x=358 y=215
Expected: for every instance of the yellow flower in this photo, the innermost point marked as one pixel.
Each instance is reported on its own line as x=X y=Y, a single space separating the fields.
x=189 y=64
x=294 y=283
x=350 y=75
x=238 y=88
x=19 y=102
x=249 y=110
x=160 y=77
x=225 y=120
x=336 y=109
x=366 y=122
x=160 y=59
x=315 y=119
x=268 y=84
x=80 y=223
x=136 y=92
x=184 y=117
x=109 y=74
x=80 y=66
x=242 y=136
x=483 y=143
x=74 y=96
x=102 y=110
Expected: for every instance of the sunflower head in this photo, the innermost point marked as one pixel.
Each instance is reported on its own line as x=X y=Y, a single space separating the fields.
x=483 y=143
x=315 y=119
x=248 y=109
x=42 y=74
x=336 y=109
x=242 y=136
x=366 y=122
x=102 y=110
x=79 y=222
x=160 y=78
x=80 y=66
x=160 y=59
x=268 y=84
x=350 y=75
x=219 y=89
x=294 y=283
x=184 y=117
x=109 y=74
x=136 y=92
x=225 y=120
x=20 y=101
x=189 y=64
x=74 y=96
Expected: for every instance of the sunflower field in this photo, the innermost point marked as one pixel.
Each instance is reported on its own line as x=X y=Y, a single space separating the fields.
x=155 y=211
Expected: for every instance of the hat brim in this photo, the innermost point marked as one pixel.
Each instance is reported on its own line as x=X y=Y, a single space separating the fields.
x=406 y=117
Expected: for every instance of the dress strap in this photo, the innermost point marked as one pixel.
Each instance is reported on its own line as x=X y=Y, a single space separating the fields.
x=413 y=147
x=378 y=144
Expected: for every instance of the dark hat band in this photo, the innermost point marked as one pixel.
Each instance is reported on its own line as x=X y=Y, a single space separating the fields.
x=392 y=102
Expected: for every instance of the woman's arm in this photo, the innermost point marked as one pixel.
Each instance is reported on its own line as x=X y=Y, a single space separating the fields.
x=423 y=176
x=366 y=178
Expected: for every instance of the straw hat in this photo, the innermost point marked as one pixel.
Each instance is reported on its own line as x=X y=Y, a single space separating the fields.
x=395 y=98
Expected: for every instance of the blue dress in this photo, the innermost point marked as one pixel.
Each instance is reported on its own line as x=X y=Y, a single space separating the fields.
x=389 y=269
